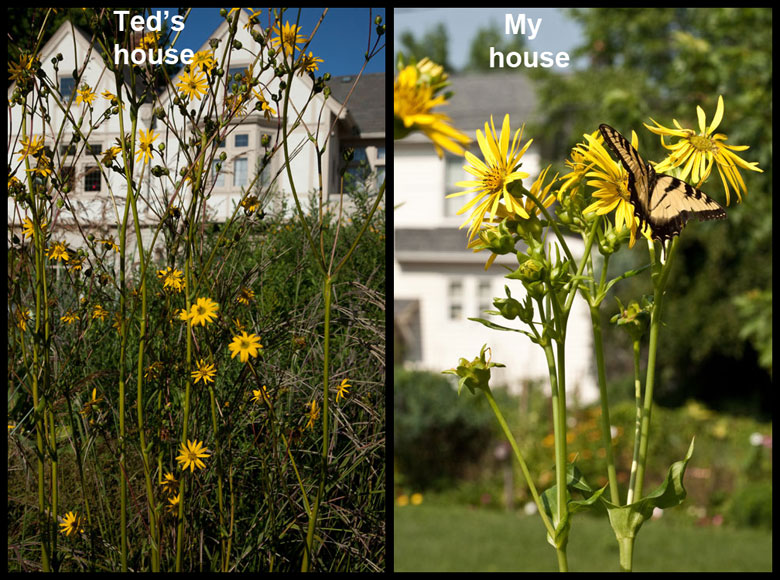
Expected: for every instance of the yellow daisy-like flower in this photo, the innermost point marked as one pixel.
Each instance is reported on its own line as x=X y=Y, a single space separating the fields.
x=253 y=19
x=204 y=60
x=245 y=346
x=110 y=243
x=69 y=317
x=259 y=395
x=30 y=147
x=610 y=181
x=22 y=318
x=28 y=231
x=287 y=37
x=169 y=483
x=205 y=372
x=193 y=84
x=264 y=106
x=413 y=99
x=183 y=314
x=58 y=251
x=342 y=389
x=245 y=295
x=85 y=95
x=499 y=169
x=149 y=41
x=250 y=204
x=42 y=167
x=698 y=152
x=314 y=413
x=71 y=523
x=172 y=279
x=308 y=63
x=173 y=503
x=152 y=372
x=191 y=455
x=203 y=311
x=19 y=70
x=99 y=312
x=145 y=147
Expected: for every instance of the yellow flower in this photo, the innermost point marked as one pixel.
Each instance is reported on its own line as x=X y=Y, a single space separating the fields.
x=250 y=204
x=203 y=59
x=416 y=498
x=149 y=41
x=308 y=63
x=203 y=311
x=342 y=389
x=22 y=318
x=30 y=147
x=264 y=106
x=245 y=345
x=169 y=483
x=28 y=231
x=698 y=152
x=314 y=413
x=245 y=295
x=86 y=409
x=191 y=455
x=69 y=317
x=252 y=19
x=99 y=312
x=110 y=243
x=413 y=99
x=85 y=95
x=287 y=37
x=172 y=279
x=205 y=372
x=71 y=523
x=173 y=503
x=259 y=395
x=193 y=84
x=610 y=181
x=153 y=371
x=22 y=68
x=145 y=148
x=499 y=170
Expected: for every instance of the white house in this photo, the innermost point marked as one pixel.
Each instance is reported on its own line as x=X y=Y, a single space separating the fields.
x=97 y=192
x=438 y=282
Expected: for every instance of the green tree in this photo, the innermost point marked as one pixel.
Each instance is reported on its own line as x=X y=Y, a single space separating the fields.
x=491 y=36
x=661 y=63
x=433 y=44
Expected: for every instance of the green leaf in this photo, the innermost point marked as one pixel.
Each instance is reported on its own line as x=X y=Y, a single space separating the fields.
x=495 y=326
x=626 y=520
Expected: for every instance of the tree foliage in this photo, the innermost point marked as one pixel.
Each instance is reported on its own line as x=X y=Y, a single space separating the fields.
x=661 y=64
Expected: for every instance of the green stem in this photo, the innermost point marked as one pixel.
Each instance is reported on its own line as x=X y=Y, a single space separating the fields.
x=638 y=423
x=308 y=553
x=606 y=434
x=519 y=456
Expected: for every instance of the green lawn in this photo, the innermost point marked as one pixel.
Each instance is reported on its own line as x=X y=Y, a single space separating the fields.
x=449 y=539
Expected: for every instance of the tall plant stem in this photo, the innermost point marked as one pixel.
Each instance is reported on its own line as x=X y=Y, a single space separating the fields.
x=606 y=434
x=308 y=555
x=638 y=423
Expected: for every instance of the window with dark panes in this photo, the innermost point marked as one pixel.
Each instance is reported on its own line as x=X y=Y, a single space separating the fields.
x=92 y=179
x=242 y=140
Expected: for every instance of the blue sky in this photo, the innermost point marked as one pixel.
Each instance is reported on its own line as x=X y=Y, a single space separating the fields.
x=341 y=40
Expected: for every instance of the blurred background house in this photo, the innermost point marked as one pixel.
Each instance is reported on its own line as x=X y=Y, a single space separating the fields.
x=438 y=283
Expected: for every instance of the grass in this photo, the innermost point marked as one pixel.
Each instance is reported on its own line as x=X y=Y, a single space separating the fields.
x=449 y=539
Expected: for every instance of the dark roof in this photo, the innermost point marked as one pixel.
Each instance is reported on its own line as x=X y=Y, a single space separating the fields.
x=367 y=102
x=477 y=96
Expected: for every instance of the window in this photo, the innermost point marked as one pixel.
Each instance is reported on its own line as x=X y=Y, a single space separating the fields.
x=68 y=177
x=92 y=179
x=240 y=172
x=380 y=153
x=242 y=140
x=453 y=172
x=67 y=87
x=93 y=149
x=66 y=150
x=455 y=299
x=484 y=297
x=219 y=178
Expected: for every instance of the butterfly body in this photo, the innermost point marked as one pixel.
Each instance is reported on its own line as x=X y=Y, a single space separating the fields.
x=661 y=201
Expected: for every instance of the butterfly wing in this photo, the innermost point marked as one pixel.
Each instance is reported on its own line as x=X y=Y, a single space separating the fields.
x=665 y=203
